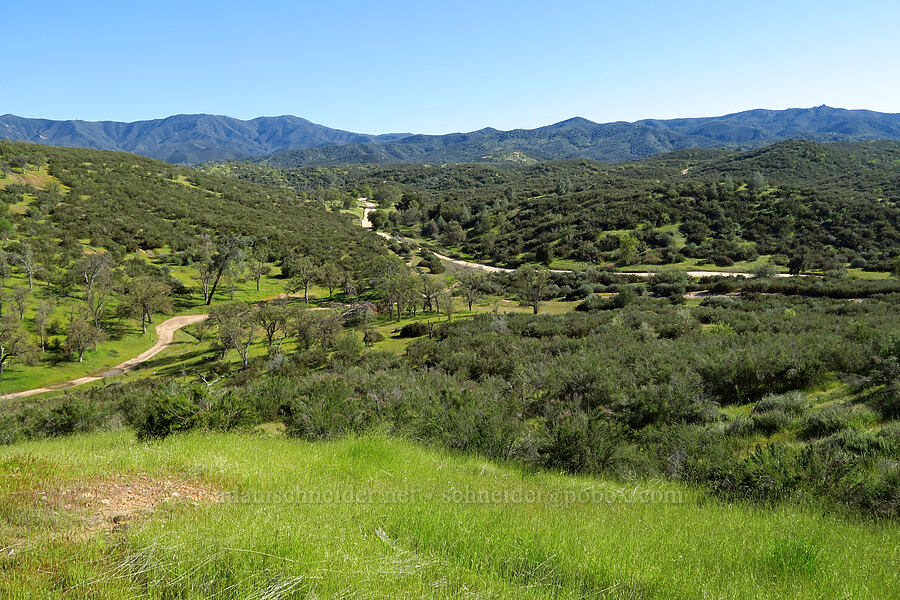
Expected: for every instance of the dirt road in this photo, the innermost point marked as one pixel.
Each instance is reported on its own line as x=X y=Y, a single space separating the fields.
x=165 y=334
x=369 y=207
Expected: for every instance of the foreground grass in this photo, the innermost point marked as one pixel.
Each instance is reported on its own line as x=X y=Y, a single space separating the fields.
x=374 y=517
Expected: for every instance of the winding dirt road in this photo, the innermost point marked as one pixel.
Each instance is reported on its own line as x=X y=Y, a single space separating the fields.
x=369 y=207
x=165 y=334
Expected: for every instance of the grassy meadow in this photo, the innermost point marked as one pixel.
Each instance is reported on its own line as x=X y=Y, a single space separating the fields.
x=375 y=517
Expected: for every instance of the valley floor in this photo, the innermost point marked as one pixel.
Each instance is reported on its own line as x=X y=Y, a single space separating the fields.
x=254 y=516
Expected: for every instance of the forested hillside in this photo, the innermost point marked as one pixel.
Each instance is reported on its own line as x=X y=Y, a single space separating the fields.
x=124 y=203
x=822 y=206
x=96 y=244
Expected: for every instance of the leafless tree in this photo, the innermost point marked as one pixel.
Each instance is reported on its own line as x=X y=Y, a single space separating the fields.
x=42 y=313
x=29 y=261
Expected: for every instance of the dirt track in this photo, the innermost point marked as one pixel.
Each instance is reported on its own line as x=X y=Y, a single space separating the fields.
x=369 y=207
x=165 y=334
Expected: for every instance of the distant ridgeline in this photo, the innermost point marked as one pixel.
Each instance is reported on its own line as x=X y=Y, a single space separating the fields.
x=288 y=141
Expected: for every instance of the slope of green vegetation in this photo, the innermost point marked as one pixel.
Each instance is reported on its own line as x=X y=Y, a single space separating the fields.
x=98 y=246
x=825 y=206
x=261 y=517
x=767 y=400
x=356 y=419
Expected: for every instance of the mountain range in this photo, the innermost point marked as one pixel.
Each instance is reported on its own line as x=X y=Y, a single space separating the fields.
x=186 y=138
x=289 y=141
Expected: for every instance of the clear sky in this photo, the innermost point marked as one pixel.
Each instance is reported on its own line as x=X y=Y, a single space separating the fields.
x=436 y=67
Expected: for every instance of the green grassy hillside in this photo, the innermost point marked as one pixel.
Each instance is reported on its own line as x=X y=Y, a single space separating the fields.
x=230 y=516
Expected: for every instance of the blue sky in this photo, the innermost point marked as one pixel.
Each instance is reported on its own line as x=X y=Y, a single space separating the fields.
x=436 y=67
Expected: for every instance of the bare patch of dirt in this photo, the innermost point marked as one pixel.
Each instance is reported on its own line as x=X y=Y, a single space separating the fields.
x=110 y=504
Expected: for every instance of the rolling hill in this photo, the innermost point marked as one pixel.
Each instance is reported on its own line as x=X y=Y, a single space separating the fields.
x=835 y=200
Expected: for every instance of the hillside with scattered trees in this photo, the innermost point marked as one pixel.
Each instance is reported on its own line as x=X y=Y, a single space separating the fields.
x=814 y=206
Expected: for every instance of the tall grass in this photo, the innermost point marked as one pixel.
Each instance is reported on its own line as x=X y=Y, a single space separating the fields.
x=376 y=517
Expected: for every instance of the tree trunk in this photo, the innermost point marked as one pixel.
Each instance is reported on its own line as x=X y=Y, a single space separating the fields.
x=245 y=355
x=306 y=292
x=212 y=292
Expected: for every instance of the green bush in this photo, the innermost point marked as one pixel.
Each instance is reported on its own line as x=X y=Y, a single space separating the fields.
x=771 y=421
x=824 y=422
x=794 y=404
x=72 y=415
x=576 y=443
x=349 y=347
x=416 y=329
x=325 y=408
x=164 y=415
x=371 y=337
x=10 y=432
x=229 y=411
x=593 y=302
x=888 y=401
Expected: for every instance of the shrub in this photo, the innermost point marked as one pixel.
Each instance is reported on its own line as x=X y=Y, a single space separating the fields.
x=416 y=329
x=771 y=421
x=768 y=474
x=349 y=347
x=325 y=408
x=576 y=443
x=740 y=427
x=371 y=337
x=794 y=404
x=593 y=302
x=229 y=411
x=623 y=298
x=72 y=415
x=669 y=283
x=825 y=422
x=889 y=401
x=876 y=490
x=857 y=442
x=718 y=302
x=10 y=432
x=471 y=419
x=164 y=415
